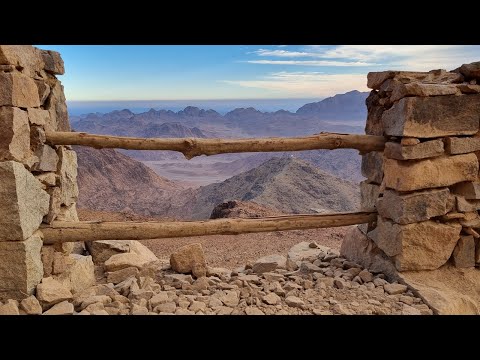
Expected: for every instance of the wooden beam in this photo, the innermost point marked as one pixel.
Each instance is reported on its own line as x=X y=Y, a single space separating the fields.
x=191 y=147
x=69 y=231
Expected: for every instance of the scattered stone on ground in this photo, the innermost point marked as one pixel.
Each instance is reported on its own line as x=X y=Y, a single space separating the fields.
x=322 y=283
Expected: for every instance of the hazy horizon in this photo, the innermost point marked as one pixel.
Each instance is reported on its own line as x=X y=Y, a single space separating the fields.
x=222 y=106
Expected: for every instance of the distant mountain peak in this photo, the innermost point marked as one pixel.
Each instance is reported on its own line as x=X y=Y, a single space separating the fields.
x=191 y=111
x=348 y=106
x=242 y=112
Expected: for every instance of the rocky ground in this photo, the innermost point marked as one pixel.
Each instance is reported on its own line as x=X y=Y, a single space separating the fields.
x=229 y=251
x=311 y=279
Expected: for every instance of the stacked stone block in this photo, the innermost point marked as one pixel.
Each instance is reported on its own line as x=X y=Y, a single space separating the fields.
x=37 y=180
x=425 y=184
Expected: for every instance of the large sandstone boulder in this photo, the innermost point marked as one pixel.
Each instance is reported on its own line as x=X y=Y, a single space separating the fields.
x=23 y=202
x=399 y=90
x=9 y=308
x=130 y=259
x=422 y=150
x=430 y=173
x=304 y=252
x=101 y=251
x=47 y=159
x=456 y=145
x=43 y=92
x=51 y=292
x=447 y=290
x=413 y=207
x=58 y=109
x=464 y=253
x=471 y=71
x=18 y=90
x=375 y=109
x=78 y=272
x=63 y=308
x=38 y=116
x=376 y=79
x=21 y=267
x=470 y=190
x=369 y=194
x=52 y=62
x=125 y=260
x=25 y=57
x=116 y=277
x=68 y=176
x=189 y=259
x=430 y=117
x=372 y=166
x=31 y=306
x=425 y=245
x=359 y=248
x=14 y=134
x=269 y=263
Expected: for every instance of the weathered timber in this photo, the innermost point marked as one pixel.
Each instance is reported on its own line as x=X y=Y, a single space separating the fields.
x=66 y=231
x=191 y=147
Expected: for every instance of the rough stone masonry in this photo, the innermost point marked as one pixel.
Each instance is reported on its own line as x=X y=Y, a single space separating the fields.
x=37 y=181
x=425 y=185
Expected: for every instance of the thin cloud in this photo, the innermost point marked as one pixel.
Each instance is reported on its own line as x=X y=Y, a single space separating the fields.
x=409 y=57
x=310 y=62
x=284 y=53
x=308 y=84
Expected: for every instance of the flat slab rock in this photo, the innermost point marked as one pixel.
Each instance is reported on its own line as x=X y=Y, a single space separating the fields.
x=426 y=245
x=413 y=207
x=431 y=117
x=430 y=173
x=447 y=290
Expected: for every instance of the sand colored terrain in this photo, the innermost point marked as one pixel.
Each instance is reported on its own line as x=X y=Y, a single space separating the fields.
x=229 y=251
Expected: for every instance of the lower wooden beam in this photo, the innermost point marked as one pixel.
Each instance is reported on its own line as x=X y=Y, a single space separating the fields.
x=191 y=147
x=67 y=231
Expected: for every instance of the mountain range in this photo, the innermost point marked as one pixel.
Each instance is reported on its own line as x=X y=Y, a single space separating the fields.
x=165 y=184
x=111 y=181
x=240 y=122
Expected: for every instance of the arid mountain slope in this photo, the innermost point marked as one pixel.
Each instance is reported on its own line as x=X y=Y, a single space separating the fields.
x=343 y=163
x=287 y=184
x=110 y=181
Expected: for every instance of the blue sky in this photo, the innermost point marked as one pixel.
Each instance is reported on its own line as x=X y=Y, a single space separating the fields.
x=161 y=72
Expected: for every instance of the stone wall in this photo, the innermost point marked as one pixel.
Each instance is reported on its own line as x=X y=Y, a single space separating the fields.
x=37 y=181
x=425 y=185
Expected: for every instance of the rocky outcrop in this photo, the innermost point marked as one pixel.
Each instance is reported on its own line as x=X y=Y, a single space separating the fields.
x=428 y=178
x=38 y=181
x=24 y=202
x=21 y=267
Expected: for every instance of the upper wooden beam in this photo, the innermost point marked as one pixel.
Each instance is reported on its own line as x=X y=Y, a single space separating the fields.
x=69 y=231
x=191 y=147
